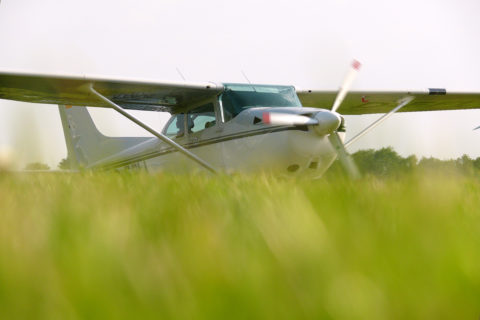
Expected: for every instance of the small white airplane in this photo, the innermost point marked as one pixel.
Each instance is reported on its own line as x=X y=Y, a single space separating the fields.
x=218 y=127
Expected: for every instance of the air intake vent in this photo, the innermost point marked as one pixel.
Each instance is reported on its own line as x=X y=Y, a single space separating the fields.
x=313 y=165
x=293 y=168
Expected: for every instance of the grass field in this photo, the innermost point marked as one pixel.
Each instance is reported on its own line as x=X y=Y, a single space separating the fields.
x=138 y=246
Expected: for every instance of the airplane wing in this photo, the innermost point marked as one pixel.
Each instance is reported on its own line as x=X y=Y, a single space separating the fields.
x=358 y=102
x=130 y=94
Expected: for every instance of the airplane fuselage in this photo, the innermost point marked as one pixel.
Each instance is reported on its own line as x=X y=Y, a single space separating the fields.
x=247 y=128
x=238 y=146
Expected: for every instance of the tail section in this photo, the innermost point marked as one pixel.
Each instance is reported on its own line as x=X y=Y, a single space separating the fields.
x=85 y=143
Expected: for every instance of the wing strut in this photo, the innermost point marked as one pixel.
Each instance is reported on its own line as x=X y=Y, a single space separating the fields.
x=157 y=134
x=403 y=103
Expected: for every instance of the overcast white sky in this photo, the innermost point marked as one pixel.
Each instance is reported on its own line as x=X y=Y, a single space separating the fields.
x=402 y=45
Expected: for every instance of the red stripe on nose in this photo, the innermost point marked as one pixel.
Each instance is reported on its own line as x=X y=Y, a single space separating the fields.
x=266 y=117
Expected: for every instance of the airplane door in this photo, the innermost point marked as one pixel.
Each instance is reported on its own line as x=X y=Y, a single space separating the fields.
x=175 y=130
x=203 y=135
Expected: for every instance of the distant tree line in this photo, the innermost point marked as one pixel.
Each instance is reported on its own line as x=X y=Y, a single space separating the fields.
x=64 y=164
x=387 y=162
x=383 y=162
x=37 y=166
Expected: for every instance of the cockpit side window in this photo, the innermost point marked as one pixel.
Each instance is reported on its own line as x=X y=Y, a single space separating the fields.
x=176 y=128
x=201 y=118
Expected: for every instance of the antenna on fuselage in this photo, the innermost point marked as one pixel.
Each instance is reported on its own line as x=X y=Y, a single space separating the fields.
x=178 y=70
x=248 y=80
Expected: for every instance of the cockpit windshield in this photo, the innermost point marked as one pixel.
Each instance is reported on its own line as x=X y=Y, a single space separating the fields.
x=238 y=97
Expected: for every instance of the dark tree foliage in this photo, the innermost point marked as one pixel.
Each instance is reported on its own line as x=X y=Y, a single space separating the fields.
x=64 y=164
x=37 y=166
x=383 y=162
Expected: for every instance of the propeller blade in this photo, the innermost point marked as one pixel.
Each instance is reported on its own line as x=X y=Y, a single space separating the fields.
x=345 y=158
x=277 y=118
x=347 y=83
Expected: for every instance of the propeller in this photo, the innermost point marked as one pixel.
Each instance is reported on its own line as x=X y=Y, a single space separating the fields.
x=345 y=158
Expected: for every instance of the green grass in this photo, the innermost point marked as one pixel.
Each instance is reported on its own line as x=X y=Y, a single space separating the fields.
x=138 y=246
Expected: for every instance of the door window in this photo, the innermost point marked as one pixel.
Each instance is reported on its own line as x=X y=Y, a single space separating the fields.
x=176 y=127
x=201 y=118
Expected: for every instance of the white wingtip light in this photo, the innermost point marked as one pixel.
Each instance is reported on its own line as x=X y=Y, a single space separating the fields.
x=6 y=158
x=277 y=118
x=347 y=83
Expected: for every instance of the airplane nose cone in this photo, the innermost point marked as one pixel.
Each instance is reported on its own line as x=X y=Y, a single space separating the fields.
x=327 y=122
